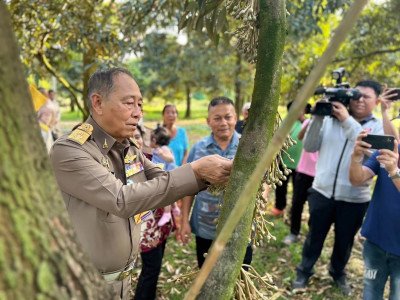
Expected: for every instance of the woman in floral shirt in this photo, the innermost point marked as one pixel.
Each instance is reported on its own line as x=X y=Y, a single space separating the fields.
x=152 y=245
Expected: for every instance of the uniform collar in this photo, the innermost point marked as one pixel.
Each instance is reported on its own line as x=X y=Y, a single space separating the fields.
x=103 y=140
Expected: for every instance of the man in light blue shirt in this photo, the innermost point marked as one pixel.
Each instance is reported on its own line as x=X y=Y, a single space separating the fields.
x=224 y=141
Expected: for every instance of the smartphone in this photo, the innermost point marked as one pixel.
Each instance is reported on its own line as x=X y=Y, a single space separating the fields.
x=380 y=141
x=322 y=109
x=395 y=91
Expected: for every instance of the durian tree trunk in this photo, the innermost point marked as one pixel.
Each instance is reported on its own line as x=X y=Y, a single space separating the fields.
x=256 y=136
x=39 y=256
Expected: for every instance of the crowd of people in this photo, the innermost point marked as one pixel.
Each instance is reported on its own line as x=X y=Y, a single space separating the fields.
x=125 y=184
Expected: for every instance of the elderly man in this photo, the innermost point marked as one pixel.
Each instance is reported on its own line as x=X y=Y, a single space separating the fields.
x=108 y=184
x=245 y=114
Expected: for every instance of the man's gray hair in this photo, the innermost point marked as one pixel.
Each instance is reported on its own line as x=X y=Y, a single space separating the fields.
x=246 y=106
x=102 y=82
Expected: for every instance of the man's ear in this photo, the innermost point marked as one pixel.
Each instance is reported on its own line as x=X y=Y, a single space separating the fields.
x=208 y=121
x=97 y=103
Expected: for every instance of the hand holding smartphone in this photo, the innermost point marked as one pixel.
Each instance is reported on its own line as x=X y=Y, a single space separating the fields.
x=392 y=94
x=380 y=141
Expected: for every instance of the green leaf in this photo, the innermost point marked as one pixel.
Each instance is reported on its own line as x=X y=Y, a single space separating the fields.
x=192 y=7
x=200 y=24
x=221 y=20
x=200 y=3
x=183 y=22
x=212 y=6
x=216 y=39
x=210 y=27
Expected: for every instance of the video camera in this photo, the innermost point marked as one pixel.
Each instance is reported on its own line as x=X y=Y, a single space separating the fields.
x=341 y=93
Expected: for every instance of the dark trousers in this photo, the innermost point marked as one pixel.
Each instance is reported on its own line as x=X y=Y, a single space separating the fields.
x=347 y=218
x=302 y=183
x=151 y=267
x=202 y=246
x=281 y=191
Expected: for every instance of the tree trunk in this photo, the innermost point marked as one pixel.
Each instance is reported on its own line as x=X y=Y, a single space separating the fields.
x=39 y=258
x=238 y=85
x=188 y=101
x=72 y=105
x=88 y=60
x=256 y=136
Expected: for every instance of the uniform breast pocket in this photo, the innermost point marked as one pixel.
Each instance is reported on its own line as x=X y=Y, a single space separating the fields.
x=108 y=217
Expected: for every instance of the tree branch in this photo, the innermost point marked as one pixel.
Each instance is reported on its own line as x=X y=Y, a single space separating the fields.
x=373 y=53
x=43 y=59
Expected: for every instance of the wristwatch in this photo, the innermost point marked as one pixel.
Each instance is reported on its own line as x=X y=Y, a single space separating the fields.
x=395 y=175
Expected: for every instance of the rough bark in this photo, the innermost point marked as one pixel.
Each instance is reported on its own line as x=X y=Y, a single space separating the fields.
x=256 y=136
x=39 y=258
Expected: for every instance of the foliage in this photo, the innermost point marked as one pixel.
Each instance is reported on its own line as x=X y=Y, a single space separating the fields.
x=167 y=67
x=306 y=18
x=70 y=39
x=371 y=51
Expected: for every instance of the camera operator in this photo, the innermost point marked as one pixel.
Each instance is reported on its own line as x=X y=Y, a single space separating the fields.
x=381 y=250
x=332 y=198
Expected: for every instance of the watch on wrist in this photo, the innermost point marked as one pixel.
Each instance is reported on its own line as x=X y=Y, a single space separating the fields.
x=395 y=175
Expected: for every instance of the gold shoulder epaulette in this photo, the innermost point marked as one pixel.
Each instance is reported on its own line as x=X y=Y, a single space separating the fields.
x=133 y=141
x=81 y=134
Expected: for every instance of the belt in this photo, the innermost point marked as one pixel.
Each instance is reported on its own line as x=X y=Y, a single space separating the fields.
x=121 y=275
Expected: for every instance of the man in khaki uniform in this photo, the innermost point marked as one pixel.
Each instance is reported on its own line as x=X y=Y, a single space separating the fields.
x=108 y=184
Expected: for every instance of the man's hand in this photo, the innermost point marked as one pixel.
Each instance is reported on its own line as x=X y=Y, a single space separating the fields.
x=389 y=158
x=385 y=98
x=388 y=126
x=214 y=169
x=340 y=111
x=358 y=174
x=185 y=231
x=360 y=147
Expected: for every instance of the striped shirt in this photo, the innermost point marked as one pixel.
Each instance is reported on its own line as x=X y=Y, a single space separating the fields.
x=205 y=209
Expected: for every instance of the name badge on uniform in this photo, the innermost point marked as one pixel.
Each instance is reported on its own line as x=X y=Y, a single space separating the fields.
x=140 y=217
x=133 y=169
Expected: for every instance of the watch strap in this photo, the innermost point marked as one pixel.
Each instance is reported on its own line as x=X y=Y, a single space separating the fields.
x=395 y=175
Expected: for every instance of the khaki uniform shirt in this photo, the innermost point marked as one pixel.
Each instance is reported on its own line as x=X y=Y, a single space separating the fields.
x=146 y=139
x=101 y=200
